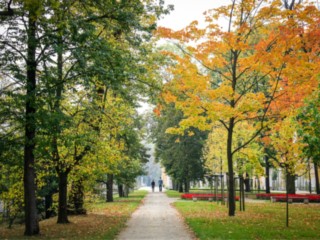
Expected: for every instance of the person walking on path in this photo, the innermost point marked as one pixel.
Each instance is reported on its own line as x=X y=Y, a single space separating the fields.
x=156 y=219
x=153 y=184
x=160 y=182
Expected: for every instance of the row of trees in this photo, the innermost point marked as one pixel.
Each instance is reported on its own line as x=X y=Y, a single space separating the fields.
x=71 y=75
x=252 y=84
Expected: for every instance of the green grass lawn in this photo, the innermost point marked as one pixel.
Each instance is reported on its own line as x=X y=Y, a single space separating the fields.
x=259 y=221
x=173 y=193
x=103 y=221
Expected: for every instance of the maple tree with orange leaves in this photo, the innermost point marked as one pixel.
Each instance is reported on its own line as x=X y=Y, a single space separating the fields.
x=243 y=73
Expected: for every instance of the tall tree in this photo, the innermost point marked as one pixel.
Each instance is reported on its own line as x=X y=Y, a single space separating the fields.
x=309 y=130
x=26 y=12
x=95 y=55
x=288 y=148
x=179 y=154
x=247 y=160
x=232 y=75
x=48 y=47
x=227 y=88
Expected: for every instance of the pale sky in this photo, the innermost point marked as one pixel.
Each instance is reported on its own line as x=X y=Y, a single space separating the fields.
x=186 y=11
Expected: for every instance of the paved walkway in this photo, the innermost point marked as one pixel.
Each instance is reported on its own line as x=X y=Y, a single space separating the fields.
x=156 y=220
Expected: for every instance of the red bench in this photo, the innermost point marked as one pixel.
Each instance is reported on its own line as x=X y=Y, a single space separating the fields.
x=281 y=197
x=204 y=196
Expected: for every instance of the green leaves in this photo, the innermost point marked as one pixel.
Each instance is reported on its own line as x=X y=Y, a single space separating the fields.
x=179 y=154
x=309 y=118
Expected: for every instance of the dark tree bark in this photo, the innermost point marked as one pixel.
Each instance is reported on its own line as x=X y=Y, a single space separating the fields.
x=247 y=183
x=180 y=187
x=231 y=189
x=291 y=184
x=242 y=197
x=176 y=185
x=31 y=213
x=120 y=190
x=316 y=174
x=109 y=187
x=61 y=170
x=186 y=186
x=309 y=176
x=77 y=198
x=62 y=205
x=266 y=158
x=48 y=206
x=9 y=12
x=63 y=173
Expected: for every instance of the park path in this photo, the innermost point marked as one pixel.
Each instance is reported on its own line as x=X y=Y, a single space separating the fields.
x=156 y=219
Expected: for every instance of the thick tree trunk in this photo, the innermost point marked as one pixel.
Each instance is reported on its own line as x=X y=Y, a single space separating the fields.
x=110 y=188
x=291 y=184
x=231 y=190
x=31 y=213
x=316 y=174
x=62 y=205
x=266 y=158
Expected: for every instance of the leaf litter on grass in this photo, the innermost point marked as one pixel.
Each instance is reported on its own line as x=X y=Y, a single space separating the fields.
x=103 y=221
x=209 y=221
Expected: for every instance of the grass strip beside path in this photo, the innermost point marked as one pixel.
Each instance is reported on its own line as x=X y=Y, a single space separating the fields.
x=173 y=194
x=210 y=220
x=103 y=221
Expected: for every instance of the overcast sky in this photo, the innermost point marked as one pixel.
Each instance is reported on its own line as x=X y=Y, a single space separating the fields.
x=186 y=11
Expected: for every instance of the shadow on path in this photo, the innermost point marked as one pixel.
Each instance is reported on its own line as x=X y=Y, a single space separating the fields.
x=155 y=219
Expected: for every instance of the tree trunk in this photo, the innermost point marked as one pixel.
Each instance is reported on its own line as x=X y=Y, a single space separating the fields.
x=316 y=175
x=120 y=190
x=31 y=213
x=231 y=197
x=180 y=187
x=309 y=176
x=241 y=189
x=77 y=198
x=125 y=191
x=186 y=186
x=62 y=205
x=266 y=158
x=247 y=183
x=48 y=205
x=110 y=188
x=291 y=184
